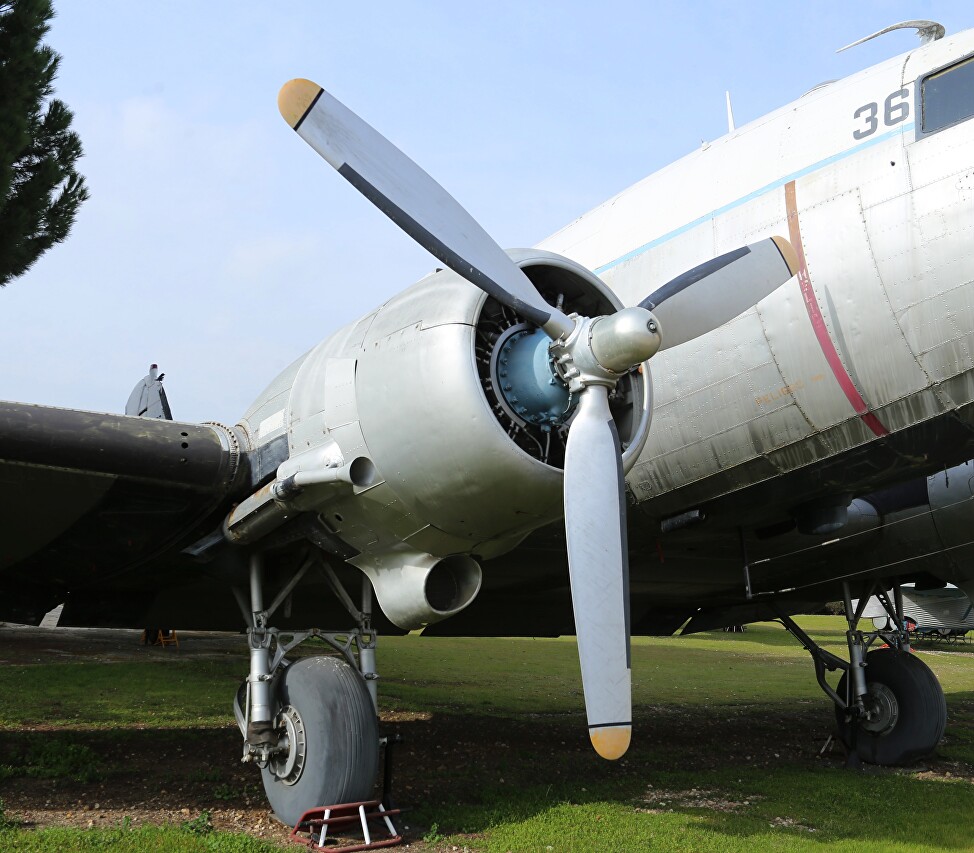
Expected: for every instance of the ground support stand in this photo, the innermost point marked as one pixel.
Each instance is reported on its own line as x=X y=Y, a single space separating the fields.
x=388 y=743
x=312 y=829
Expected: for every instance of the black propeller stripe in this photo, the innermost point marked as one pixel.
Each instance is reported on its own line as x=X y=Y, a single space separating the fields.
x=311 y=106
x=623 y=520
x=434 y=246
x=607 y=725
x=690 y=277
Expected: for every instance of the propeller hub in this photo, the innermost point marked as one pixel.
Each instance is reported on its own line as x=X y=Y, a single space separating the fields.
x=602 y=350
x=622 y=340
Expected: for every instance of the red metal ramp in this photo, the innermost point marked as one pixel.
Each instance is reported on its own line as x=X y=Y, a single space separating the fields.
x=313 y=828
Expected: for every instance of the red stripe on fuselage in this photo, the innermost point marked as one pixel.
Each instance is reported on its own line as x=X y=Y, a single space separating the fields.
x=818 y=321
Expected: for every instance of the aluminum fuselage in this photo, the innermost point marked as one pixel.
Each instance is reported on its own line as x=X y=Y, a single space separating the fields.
x=873 y=338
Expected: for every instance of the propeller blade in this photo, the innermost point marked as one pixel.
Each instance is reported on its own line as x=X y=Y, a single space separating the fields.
x=717 y=291
x=413 y=200
x=598 y=561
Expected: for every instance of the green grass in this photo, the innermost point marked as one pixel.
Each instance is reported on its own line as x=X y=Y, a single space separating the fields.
x=712 y=713
x=120 y=695
x=787 y=809
x=45 y=757
x=422 y=673
x=143 y=839
x=762 y=672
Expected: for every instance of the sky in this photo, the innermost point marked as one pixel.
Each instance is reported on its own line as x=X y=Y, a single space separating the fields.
x=217 y=244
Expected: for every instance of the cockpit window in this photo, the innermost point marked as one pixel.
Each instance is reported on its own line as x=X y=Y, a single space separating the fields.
x=947 y=96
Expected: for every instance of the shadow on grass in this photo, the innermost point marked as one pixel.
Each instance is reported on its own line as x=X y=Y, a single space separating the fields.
x=126 y=769
x=539 y=784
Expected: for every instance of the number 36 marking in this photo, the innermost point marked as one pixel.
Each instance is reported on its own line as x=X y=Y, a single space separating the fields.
x=896 y=109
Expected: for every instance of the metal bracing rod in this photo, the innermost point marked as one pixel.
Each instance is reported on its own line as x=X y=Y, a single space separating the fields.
x=248 y=617
x=901 y=618
x=831 y=661
x=289 y=587
x=366 y=600
x=822 y=659
x=857 y=663
x=864 y=601
x=747 y=566
x=332 y=638
x=895 y=637
x=888 y=606
x=339 y=590
x=847 y=604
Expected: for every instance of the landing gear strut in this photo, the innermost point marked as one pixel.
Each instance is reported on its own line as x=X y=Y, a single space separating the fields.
x=310 y=725
x=889 y=706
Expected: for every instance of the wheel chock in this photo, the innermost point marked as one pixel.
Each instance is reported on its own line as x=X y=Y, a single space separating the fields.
x=312 y=829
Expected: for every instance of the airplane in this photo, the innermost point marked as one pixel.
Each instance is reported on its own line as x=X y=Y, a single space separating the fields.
x=938 y=614
x=735 y=391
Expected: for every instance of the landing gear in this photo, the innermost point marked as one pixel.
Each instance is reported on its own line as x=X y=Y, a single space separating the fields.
x=310 y=725
x=889 y=706
x=905 y=710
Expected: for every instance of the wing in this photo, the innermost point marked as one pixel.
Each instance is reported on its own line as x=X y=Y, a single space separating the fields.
x=86 y=497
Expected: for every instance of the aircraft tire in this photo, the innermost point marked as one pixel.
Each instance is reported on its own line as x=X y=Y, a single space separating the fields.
x=326 y=701
x=917 y=725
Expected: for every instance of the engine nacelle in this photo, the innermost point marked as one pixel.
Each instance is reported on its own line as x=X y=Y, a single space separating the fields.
x=923 y=527
x=950 y=495
x=445 y=392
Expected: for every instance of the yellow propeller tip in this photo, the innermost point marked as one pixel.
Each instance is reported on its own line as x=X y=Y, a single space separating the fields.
x=611 y=742
x=294 y=99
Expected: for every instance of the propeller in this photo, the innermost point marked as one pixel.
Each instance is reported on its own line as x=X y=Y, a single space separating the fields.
x=716 y=291
x=589 y=356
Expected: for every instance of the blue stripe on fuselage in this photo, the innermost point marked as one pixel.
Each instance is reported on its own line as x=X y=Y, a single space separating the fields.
x=774 y=185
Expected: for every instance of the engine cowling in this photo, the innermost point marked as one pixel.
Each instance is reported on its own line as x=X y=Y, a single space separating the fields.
x=446 y=392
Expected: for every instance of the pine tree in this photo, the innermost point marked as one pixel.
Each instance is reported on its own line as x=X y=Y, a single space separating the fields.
x=40 y=191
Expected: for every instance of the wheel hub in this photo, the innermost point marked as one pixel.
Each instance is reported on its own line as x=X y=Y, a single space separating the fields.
x=288 y=762
x=882 y=710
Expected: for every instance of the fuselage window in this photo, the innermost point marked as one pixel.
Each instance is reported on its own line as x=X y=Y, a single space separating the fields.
x=947 y=96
